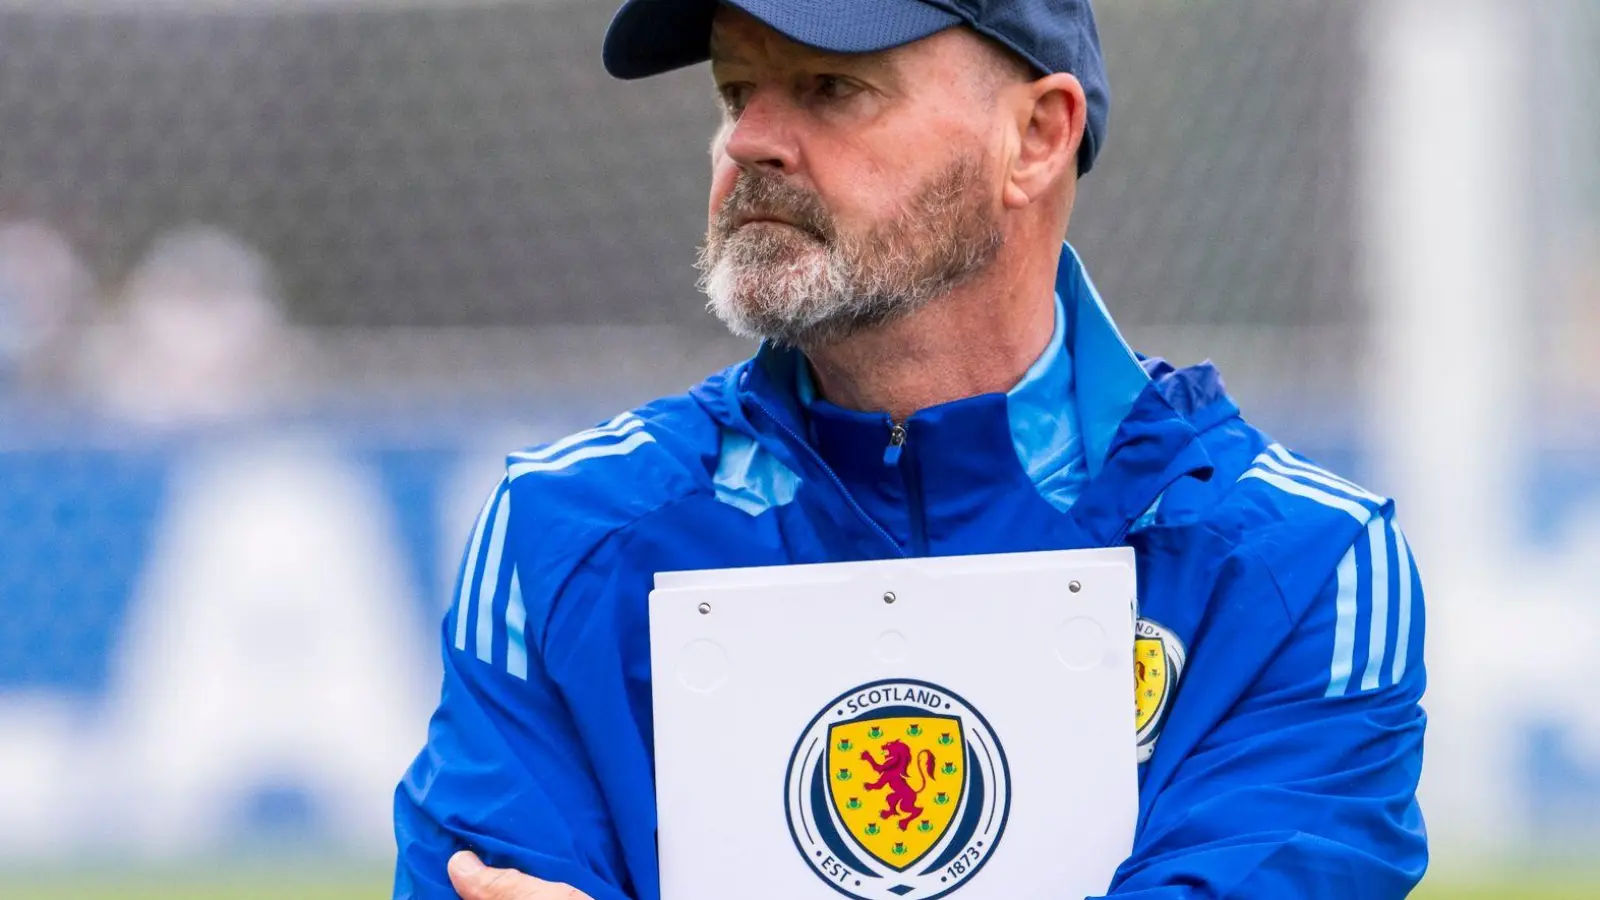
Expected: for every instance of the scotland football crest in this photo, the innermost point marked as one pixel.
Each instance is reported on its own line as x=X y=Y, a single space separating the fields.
x=897 y=789
x=1158 y=658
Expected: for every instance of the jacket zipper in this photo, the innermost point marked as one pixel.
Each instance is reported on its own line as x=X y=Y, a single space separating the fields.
x=838 y=483
x=897 y=444
x=893 y=454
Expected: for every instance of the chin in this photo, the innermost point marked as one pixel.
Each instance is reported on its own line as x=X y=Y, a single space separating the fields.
x=760 y=311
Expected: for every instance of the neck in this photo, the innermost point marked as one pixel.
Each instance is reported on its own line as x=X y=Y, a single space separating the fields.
x=978 y=339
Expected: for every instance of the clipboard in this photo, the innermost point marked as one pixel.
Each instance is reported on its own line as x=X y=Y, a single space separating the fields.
x=896 y=730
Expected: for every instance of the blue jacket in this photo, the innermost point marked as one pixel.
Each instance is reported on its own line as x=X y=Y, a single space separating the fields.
x=1280 y=751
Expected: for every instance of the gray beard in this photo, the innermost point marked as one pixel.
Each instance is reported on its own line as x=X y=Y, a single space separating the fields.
x=809 y=286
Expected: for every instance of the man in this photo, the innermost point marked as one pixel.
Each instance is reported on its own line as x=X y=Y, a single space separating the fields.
x=891 y=185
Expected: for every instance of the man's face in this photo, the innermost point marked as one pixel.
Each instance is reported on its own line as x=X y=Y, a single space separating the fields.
x=847 y=190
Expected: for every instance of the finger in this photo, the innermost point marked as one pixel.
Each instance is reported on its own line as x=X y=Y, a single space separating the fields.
x=463 y=864
x=475 y=881
x=463 y=869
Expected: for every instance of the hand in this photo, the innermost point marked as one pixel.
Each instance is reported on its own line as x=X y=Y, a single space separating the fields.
x=475 y=881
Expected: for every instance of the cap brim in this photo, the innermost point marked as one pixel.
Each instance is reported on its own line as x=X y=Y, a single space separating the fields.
x=648 y=37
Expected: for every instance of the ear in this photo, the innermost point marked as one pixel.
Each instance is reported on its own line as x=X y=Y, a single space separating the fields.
x=1051 y=116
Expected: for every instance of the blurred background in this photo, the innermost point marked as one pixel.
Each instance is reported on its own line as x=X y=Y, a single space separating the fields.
x=280 y=283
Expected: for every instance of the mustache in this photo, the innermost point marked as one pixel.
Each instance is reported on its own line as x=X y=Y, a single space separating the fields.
x=770 y=197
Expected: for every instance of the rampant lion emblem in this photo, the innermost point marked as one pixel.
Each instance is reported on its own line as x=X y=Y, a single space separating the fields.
x=894 y=773
x=897 y=786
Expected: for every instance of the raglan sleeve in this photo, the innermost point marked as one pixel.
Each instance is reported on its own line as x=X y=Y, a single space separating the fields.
x=1307 y=788
x=504 y=771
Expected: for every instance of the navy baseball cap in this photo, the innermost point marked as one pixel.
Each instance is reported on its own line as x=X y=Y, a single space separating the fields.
x=649 y=37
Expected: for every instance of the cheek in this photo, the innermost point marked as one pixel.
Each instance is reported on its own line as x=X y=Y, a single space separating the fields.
x=866 y=178
x=724 y=172
x=867 y=193
x=723 y=176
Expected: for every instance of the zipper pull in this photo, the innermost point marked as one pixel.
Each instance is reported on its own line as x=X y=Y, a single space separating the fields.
x=897 y=443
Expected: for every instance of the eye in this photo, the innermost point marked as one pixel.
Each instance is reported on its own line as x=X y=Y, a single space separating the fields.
x=834 y=87
x=734 y=95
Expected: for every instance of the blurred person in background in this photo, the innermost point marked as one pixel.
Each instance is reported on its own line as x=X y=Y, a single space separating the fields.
x=891 y=186
x=1582 y=342
x=197 y=333
x=47 y=296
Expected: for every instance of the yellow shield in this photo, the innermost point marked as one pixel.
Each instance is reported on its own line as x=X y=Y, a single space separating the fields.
x=1149 y=678
x=896 y=782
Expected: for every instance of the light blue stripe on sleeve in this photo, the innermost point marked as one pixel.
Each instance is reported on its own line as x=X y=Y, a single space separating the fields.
x=516 y=625
x=1378 y=540
x=1402 y=632
x=589 y=451
x=615 y=428
x=1355 y=510
x=491 y=578
x=1335 y=485
x=1344 y=635
x=1288 y=459
x=469 y=572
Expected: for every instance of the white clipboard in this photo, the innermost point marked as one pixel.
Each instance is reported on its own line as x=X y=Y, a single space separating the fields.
x=1006 y=681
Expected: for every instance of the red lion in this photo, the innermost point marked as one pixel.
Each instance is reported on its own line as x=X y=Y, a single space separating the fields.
x=895 y=774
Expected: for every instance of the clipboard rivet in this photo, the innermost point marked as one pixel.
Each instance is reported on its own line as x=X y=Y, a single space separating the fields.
x=1074 y=586
x=705 y=609
x=888 y=596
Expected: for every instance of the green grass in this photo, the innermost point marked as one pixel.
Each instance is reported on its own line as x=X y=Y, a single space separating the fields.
x=1512 y=887
x=253 y=883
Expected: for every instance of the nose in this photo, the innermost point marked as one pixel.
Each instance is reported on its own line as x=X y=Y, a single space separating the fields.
x=763 y=136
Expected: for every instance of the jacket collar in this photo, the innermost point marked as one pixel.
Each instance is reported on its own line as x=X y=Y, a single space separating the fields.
x=1086 y=426
x=1110 y=376
x=1065 y=411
